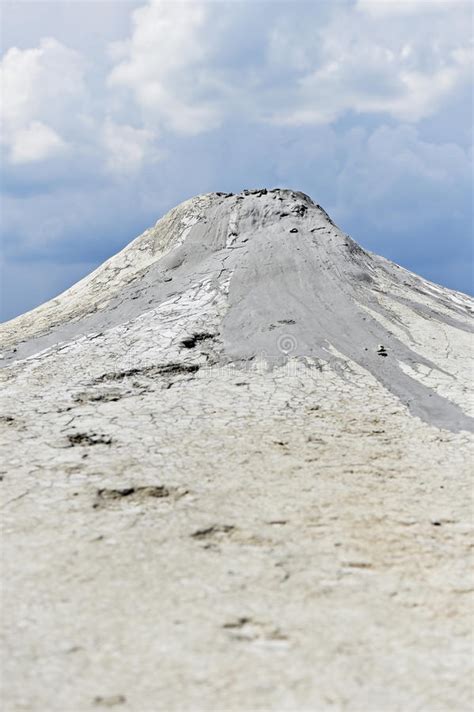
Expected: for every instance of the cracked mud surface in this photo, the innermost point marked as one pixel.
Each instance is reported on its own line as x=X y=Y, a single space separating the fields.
x=194 y=520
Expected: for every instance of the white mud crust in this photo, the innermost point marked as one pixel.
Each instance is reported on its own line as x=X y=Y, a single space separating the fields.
x=236 y=475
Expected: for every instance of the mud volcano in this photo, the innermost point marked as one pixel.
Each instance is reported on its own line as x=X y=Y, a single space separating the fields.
x=235 y=466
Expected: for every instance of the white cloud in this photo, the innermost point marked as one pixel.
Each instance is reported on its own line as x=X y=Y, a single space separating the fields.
x=295 y=69
x=406 y=7
x=42 y=89
x=373 y=59
x=127 y=147
x=48 y=112
x=376 y=80
x=190 y=67
x=35 y=143
x=166 y=65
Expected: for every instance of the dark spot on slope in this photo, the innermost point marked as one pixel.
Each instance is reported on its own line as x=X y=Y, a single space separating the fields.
x=281 y=321
x=165 y=369
x=364 y=277
x=354 y=248
x=212 y=531
x=325 y=214
x=189 y=342
x=108 y=396
x=145 y=491
x=88 y=439
x=358 y=564
x=299 y=210
x=239 y=623
x=118 y=375
x=258 y=192
x=115 y=493
x=109 y=496
x=247 y=630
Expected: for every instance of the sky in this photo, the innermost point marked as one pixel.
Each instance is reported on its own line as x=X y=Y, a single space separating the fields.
x=114 y=111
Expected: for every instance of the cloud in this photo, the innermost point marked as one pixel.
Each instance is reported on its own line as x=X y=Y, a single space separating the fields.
x=191 y=67
x=380 y=8
x=42 y=91
x=310 y=67
x=165 y=65
x=127 y=147
x=372 y=60
x=374 y=85
x=35 y=142
x=48 y=113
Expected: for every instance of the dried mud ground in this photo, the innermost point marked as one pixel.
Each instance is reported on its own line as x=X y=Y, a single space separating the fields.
x=216 y=539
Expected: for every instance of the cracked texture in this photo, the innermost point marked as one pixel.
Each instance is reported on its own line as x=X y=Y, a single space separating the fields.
x=215 y=498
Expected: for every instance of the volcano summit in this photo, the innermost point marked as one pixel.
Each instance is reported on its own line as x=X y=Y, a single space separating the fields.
x=236 y=466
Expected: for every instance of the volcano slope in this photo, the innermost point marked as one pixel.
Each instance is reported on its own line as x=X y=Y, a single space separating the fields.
x=235 y=468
